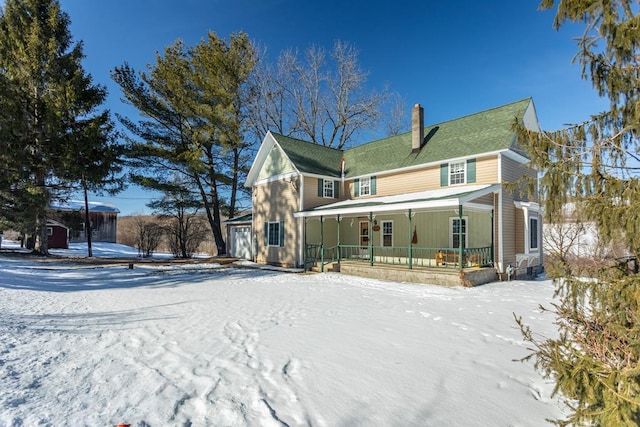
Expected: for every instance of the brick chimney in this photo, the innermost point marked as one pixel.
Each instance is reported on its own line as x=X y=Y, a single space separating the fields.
x=417 y=128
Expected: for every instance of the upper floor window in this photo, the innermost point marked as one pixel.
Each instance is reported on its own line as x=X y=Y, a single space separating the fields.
x=328 y=189
x=365 y=186
x=456 y=173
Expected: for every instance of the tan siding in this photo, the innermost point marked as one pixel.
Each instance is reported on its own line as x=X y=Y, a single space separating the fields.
x=276 y=201
x=508 y=229
x=311 y=198
x=487 y=170
x=428 y=178
x=519 y=224
x=512 y=171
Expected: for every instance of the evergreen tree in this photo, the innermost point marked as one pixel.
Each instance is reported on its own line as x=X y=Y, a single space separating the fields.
x=595 y=360
x=192 y=99
x=46 y=107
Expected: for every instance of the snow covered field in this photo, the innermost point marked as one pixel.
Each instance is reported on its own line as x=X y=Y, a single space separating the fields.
x=200 y=345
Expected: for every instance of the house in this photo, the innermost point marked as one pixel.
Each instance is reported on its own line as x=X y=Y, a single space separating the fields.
x=409 y=207
x=102 y=216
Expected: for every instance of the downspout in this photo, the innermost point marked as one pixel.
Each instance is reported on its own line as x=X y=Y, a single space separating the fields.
x=304 y=238
x=492 y=237
x=338 y=248
x=500 y=216
x=302 y=224
x=460 y=237
x=370 y=239
x=322 y=244
x=410 y=243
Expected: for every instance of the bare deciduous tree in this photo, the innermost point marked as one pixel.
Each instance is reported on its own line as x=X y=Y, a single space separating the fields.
x=148 y=236
x=318 y=97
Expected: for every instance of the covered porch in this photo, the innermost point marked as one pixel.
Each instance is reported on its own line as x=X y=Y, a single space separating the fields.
x=450 y=232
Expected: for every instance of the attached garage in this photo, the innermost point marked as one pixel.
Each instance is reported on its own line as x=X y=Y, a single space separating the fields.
x=239 y=240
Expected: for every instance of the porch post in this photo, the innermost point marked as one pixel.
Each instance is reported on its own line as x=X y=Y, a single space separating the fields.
x=460 y=236
x=492 y=238
x=339 y=252
x=371 y=238
x=410 y=243
x=304 y=242
x=321 y=244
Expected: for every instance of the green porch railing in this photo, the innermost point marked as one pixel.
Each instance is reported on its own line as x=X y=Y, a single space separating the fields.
x=399 y=255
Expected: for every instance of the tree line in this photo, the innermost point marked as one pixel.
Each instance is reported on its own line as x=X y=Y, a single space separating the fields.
x=203 y=109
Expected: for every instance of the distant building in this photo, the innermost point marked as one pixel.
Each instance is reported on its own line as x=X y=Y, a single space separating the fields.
x=102 y=216
x=58 y=235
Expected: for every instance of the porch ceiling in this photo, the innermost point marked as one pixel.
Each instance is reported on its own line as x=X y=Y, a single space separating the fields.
x=423 y=200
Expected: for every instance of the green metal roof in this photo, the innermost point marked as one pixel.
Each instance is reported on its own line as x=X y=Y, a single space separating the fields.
x=311 y=158
x=487 y=131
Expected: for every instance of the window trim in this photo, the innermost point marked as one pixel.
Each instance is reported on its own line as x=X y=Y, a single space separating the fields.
x=277 y=234
x=466 y=231
x=368 y=186
x=463 y=172
x=327 y=187
x=533 y=232
x=382 y=233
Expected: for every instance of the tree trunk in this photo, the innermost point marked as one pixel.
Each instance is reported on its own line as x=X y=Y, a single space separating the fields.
x=212 y=209
x=87 y=221
x=41 y=239
x=234 y=182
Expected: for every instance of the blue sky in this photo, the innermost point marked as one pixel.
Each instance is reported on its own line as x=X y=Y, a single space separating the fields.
x=452 y=57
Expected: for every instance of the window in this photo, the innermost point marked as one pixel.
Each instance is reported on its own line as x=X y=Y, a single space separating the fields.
x=458 y=230
x=533 y=233
x=365 y=186
x=387 y=233
x=327 y=189
x=274 y=234
x=49 y=231
x=456 y=173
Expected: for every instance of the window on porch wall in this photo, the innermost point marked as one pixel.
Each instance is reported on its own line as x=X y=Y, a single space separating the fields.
x=458 y=231
x=387 y=233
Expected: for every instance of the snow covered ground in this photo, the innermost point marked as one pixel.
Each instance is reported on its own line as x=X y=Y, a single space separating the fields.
x=202 y=345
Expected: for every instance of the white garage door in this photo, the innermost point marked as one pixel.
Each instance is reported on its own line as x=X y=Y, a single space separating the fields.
x=241 y=242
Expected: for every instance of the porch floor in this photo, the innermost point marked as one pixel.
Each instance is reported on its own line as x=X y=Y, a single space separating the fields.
x=472 y=276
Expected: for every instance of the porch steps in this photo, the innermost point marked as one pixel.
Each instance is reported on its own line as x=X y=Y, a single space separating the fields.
x=328 y=267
